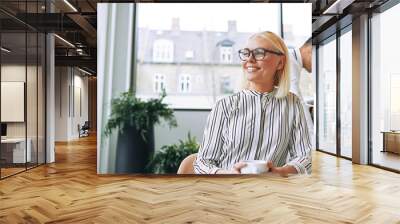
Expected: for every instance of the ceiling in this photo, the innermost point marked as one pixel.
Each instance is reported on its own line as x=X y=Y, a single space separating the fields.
x=76 y=24
x=76 y=21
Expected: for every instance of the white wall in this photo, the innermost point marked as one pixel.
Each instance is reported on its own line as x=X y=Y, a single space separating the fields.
x=33 y=126
x=12 y=73
x=61 y=103
x=70 y=83
x=80 y=105
x=82 y=82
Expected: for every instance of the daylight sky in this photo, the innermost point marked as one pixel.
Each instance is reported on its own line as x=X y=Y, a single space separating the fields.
x=250 y=17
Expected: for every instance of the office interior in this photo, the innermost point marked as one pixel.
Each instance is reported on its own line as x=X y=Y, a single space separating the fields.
x=39 y=108
x=65 y=53
x=49 y=82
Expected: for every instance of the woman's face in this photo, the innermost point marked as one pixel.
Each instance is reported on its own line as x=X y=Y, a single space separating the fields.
x=262 y=71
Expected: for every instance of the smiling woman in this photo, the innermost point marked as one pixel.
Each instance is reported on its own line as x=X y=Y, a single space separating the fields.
x=196 y=60
x=262 y=122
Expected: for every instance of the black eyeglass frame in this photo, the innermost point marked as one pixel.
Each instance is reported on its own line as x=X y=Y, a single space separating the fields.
x=252 y=53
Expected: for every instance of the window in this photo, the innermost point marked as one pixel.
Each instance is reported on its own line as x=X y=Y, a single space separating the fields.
x=184 y=84
x=394 y=101
x=226 y=85
x=346 y=94
x=295 y=30
x=385 y=87
x=163 y=51
x=159 y=83
x=22 y=65
x=327 y=97
x=205 y=46
x=226 y=55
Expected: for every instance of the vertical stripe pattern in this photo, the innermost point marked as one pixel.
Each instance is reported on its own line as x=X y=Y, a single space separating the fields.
x=255 y=126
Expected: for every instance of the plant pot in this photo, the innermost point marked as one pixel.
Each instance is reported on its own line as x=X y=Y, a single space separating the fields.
x=133 y=152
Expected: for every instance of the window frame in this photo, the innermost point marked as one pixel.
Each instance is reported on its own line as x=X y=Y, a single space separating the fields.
x=379 y=10
x=334 y=37
x=184 y=79
x=163 y=51
x=226 y=54
x=159 y=79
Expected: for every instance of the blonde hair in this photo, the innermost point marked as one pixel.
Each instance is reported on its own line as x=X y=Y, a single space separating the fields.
x=283 y=75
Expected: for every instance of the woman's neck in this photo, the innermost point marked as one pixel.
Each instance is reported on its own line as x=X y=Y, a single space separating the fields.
x=261 y=88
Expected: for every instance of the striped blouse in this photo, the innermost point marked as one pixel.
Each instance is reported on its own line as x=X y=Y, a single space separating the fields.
x=250 y=125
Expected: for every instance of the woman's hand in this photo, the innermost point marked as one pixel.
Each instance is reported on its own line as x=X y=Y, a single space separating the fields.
x=284 y=171
x=235 y=170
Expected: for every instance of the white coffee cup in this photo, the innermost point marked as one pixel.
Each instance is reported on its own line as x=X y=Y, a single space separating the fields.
x=254 y=167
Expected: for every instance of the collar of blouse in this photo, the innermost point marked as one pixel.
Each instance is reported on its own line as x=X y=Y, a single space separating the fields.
x=256 y=93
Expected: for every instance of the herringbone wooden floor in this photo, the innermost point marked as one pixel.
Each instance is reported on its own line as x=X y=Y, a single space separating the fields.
x=70 y=191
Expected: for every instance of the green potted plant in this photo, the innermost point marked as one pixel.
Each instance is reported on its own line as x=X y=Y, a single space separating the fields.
x=168 y=159
x=134 y=119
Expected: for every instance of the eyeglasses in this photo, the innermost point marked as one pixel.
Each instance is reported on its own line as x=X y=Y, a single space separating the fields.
x=258 y=53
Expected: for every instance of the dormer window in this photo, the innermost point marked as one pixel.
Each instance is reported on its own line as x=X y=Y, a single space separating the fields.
x=226 y=51
x=163 y=51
